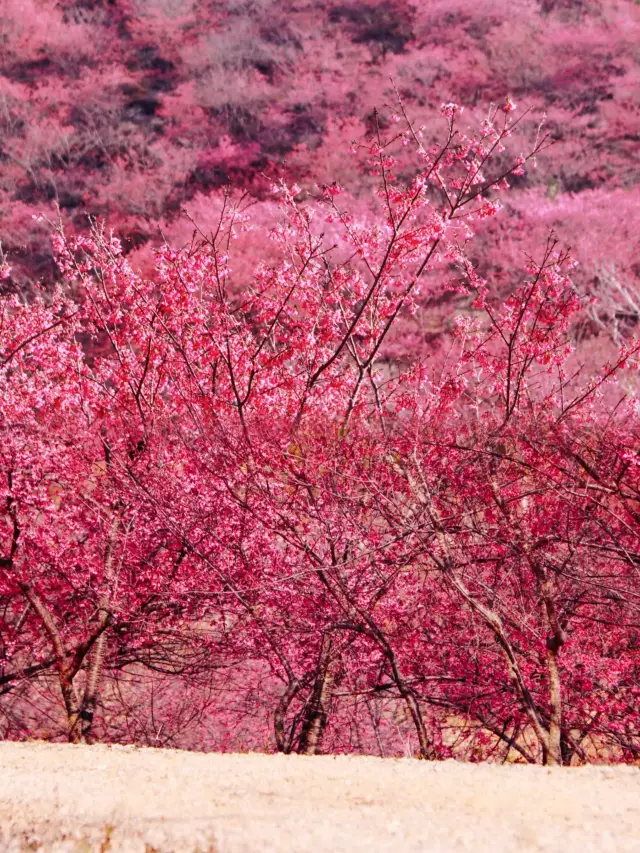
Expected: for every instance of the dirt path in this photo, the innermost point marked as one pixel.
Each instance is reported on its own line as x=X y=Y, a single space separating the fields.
x=74 y=798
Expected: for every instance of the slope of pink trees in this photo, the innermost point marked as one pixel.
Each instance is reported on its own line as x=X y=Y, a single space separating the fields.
x=244 y=499
x=131 y=109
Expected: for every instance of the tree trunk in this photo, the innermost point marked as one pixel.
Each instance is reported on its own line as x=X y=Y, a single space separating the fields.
x=282 y=742
x=554 y=752
x=72 y=706
x=315 y=720
x=555 y=641
x=90 y=699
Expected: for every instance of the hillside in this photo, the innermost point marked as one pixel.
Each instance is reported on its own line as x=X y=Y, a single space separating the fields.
x=132 y=109
x=319 y=368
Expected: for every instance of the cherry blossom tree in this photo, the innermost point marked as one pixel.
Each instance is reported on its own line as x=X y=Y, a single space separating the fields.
x=241 y=483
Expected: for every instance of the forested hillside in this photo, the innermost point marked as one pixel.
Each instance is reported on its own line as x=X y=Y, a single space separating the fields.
x=319 y=371
x=133 y=109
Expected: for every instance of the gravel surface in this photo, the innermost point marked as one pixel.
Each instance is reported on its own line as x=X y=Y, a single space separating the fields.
x=78 y=798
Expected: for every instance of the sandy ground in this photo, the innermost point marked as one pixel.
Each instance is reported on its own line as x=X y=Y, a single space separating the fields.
x=75 y=798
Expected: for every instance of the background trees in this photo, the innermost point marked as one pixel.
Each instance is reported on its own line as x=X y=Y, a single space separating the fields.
x=132 y=109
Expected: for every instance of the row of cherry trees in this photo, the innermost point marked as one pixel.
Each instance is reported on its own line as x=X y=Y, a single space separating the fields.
x=250 y=498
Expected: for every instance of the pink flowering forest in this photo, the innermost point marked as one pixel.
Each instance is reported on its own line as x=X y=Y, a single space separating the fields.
x=319 y=352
